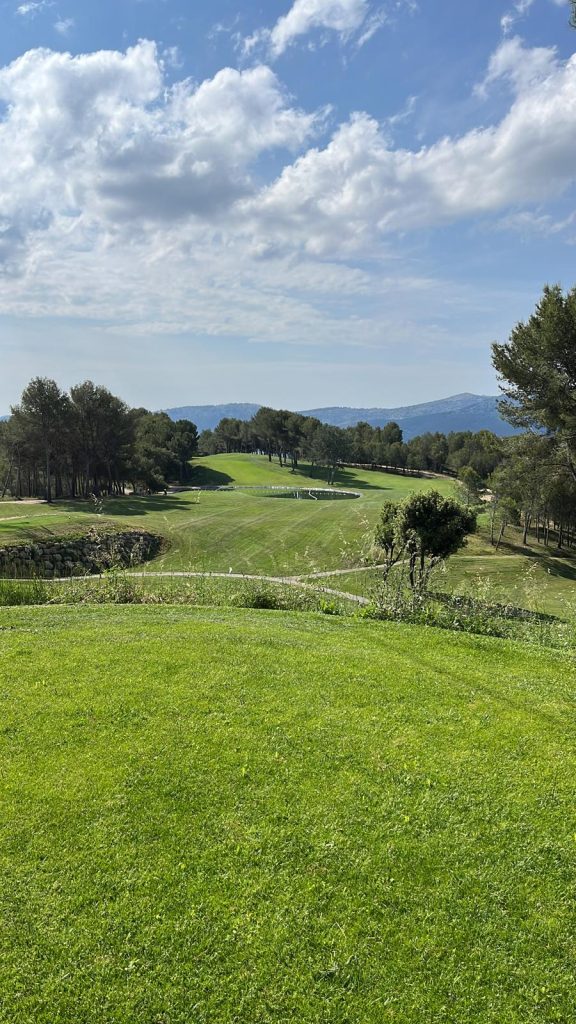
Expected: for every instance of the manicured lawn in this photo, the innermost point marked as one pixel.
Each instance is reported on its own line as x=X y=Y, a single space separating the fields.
x=242 y=530
x=236 y=817
x=253 y=533
x=542 y=583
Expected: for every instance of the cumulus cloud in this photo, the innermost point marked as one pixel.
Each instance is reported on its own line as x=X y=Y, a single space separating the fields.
x=122 y=196
x=358 y=187
x=99 y=139
x=341 y=16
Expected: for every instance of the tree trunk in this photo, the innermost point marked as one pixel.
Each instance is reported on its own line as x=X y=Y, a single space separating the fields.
x=48 y=480
x=7 y=481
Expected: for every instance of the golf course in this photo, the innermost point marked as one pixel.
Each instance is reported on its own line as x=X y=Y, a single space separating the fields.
x=224 y=814
x=232 y=815
x=260 y=530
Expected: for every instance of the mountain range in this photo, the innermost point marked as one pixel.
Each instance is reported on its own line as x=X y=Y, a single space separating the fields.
x=459 y=412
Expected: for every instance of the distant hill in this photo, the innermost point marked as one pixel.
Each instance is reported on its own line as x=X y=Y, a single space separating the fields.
x=459 y=412
x=206 y=417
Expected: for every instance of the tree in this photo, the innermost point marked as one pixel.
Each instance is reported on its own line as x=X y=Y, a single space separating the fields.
x=425 y=529
x=42 y=415
x=264 y=429
x=387 y=537
x=330 y=448
x=538 y=369
x=471 y=484
x=522 y=480
x=102 y=431
x=207 y=443
x=505 y=511
x=184 y=445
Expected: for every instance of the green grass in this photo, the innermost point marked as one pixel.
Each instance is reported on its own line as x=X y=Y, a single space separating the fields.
x=216 y=530
x=541 y=584
x=228 y=817
x=252 y=533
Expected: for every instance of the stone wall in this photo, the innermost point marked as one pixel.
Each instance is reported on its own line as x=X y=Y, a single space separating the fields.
x=75 y=556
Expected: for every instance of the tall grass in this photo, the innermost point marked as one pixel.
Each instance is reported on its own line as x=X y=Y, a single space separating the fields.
x=119 y=588
x=24 y=592
x=475 y=610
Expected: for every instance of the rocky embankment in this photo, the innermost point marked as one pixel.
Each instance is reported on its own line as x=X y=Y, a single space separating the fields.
x=92 y=552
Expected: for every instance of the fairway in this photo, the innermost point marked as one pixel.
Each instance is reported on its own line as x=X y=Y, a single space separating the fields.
x=213 y=531
x=255 y=532
x=236 y=817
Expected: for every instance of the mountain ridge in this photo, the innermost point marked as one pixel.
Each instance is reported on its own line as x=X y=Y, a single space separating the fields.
x=464 y=411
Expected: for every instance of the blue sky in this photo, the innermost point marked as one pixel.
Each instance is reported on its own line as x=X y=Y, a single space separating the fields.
x=323 y=202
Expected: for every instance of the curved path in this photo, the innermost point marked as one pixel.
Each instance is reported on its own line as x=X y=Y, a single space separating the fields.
x=291 y=581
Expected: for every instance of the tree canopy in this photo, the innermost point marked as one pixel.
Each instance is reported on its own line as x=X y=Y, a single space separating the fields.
x=424 y=529
x=89 y=442
x=537 y=369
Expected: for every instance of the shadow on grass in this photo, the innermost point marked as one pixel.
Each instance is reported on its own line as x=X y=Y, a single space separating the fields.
x=131 y=505
x=555 y=567
x=204 y=476
x=343 y=477
x=539 y=552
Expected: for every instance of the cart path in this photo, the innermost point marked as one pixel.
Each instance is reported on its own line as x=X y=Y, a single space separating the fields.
x=290 y=581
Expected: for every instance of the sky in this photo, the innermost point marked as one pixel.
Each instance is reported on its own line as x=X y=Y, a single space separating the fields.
x=301 y=204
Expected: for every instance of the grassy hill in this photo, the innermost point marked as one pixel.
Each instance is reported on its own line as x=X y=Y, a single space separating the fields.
x=235 y=817
x=245 y=530
x=255 y=532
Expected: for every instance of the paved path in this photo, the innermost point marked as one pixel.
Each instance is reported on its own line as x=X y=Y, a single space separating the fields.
x=290 y=581
x=334 y=572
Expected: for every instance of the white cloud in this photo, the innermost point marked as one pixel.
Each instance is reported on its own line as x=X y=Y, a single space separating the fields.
x=523 y=67
x=127 y=199
x=358 y=188
x=405 y=114
x=341 y=16
x=372 y=25
x=64 y=25
x=531 y=223
x=98 y=139
x=518 y=11
x=32 y=7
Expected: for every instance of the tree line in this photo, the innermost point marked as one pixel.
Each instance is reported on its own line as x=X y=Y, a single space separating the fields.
x=289 y=437
x=89 y=442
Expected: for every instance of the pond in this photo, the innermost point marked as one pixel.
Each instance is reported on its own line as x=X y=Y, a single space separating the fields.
x=306 y=493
